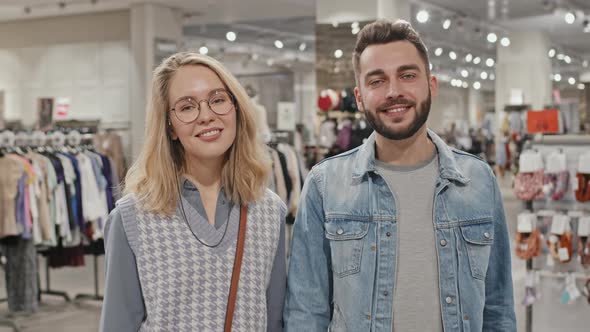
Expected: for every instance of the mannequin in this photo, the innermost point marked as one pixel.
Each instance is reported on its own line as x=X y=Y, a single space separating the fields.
x=261 y=119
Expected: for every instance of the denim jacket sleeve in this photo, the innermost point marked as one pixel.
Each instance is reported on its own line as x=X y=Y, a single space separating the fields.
x=499 y=306
x=307 y=306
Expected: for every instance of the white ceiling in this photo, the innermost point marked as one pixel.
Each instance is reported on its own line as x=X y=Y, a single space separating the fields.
x=208 y=10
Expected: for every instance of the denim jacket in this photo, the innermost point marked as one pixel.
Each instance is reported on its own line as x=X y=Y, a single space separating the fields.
x=343 y=252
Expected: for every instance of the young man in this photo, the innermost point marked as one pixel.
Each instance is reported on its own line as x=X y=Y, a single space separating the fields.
x=403 y=233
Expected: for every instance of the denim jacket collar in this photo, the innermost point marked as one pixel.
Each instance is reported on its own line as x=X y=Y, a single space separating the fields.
x=448 y=169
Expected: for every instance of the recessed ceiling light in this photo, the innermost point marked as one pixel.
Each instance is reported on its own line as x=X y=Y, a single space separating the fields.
x=355 y=30
x=483 y=75
x=453 y=55
x=476 y=60
x=551 y=53
x=468 y=57
x=570 y=18
x=446 y=24
x=302 y=47
x=490 y=62
x=557 y=77
x=492 y=38
x=567 y=59
x=438 y=51
x=505 y=41
x=476 y=85
x=231 y=36
x=203 y=50
x=492 y=76
x=560 y=56
x=278 y=44
x=338 y=54
x=465 y=85
x=571 y=80
x=354 y=25
x=464 y=73
x=581 y=86
x=422 y=16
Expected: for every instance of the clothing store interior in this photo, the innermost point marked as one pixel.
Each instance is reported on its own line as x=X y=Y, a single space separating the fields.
x=513 y=89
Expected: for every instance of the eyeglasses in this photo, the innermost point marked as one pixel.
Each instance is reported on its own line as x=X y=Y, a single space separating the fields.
x=188 y=109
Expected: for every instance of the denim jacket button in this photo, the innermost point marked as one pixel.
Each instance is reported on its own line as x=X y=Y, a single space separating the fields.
x=388 y=234
x=486 y=235
x=385 y=293
x=465 y=317
x=449 y=300
x=340 y=231
x=443 y=243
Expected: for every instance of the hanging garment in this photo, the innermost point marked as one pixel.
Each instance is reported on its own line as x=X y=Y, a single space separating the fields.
x=21 y=274
x=12 y=171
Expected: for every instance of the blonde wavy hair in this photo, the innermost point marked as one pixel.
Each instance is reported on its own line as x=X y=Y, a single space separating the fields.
x=153 y=176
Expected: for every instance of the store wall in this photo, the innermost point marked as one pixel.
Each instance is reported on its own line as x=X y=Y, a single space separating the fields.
x=84 y=58
x=450 y=105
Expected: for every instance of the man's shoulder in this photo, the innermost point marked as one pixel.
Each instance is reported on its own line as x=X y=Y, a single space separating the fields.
x=341 y=159
x=471 y=164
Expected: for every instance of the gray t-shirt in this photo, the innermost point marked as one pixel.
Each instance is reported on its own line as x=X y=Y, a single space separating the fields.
x=416 y=302
x=123 y=301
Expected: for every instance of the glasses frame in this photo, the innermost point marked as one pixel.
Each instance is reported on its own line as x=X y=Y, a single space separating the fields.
x=199 y=109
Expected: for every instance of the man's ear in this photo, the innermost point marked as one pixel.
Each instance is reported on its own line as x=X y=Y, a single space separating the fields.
x=359 y=99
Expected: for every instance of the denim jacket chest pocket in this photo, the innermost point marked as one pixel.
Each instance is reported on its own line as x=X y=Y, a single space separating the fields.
x=346 y=245
x=478 y=239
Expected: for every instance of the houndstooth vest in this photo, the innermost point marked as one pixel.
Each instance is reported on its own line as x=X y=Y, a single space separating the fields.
x=185 y=284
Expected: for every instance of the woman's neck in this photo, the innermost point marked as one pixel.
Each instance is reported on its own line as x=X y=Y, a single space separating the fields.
x=205 y=175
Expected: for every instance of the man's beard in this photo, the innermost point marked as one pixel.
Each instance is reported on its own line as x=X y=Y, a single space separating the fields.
x=381 y=128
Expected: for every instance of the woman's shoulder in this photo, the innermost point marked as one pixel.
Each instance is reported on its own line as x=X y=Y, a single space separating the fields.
x=271 y=199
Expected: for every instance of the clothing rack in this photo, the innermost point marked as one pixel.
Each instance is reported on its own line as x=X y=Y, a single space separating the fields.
x=48 y=290
x=7 y=322
x=96 y=296
x=562 y=143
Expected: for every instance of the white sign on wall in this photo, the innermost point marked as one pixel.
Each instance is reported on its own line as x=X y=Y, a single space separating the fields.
x=286 y=115
x=62 y=108
x=516 y=97
x=1 y=110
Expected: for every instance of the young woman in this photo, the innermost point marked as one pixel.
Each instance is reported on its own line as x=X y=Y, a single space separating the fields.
x=198 y=186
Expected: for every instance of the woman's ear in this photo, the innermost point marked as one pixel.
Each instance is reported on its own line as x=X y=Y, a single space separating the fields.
x=171 y=129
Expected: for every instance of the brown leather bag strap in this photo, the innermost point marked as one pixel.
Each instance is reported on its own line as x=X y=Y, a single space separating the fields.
x=235 y=277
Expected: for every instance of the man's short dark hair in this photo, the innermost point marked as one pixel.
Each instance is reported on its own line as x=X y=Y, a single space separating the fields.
x=383 y=32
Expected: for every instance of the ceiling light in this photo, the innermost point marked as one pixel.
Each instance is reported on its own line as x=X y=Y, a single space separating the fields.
x=490 y=62
x=476 y=60
x=438 y=51
x=338 y=54
x=355 y=30
x=454 y=82
x=447 y=24
x=476 y=85
x=492 y=38
x=580 y=86
x=560 y=56
x=571 y=80
x=492 y=76
x=483 y=75
x=570 y=18
x=557 y=77
x=468 y=57
x=278 y=44
x=203 y=50
x=551 y=53
x=302 y=47
x=231 y=36
x=335 y=24
x=464 y=73
x=465 y=85
x=354 y=25
x=453 y=55
x=567 y=59
x=422 y=16
x=505 y=41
